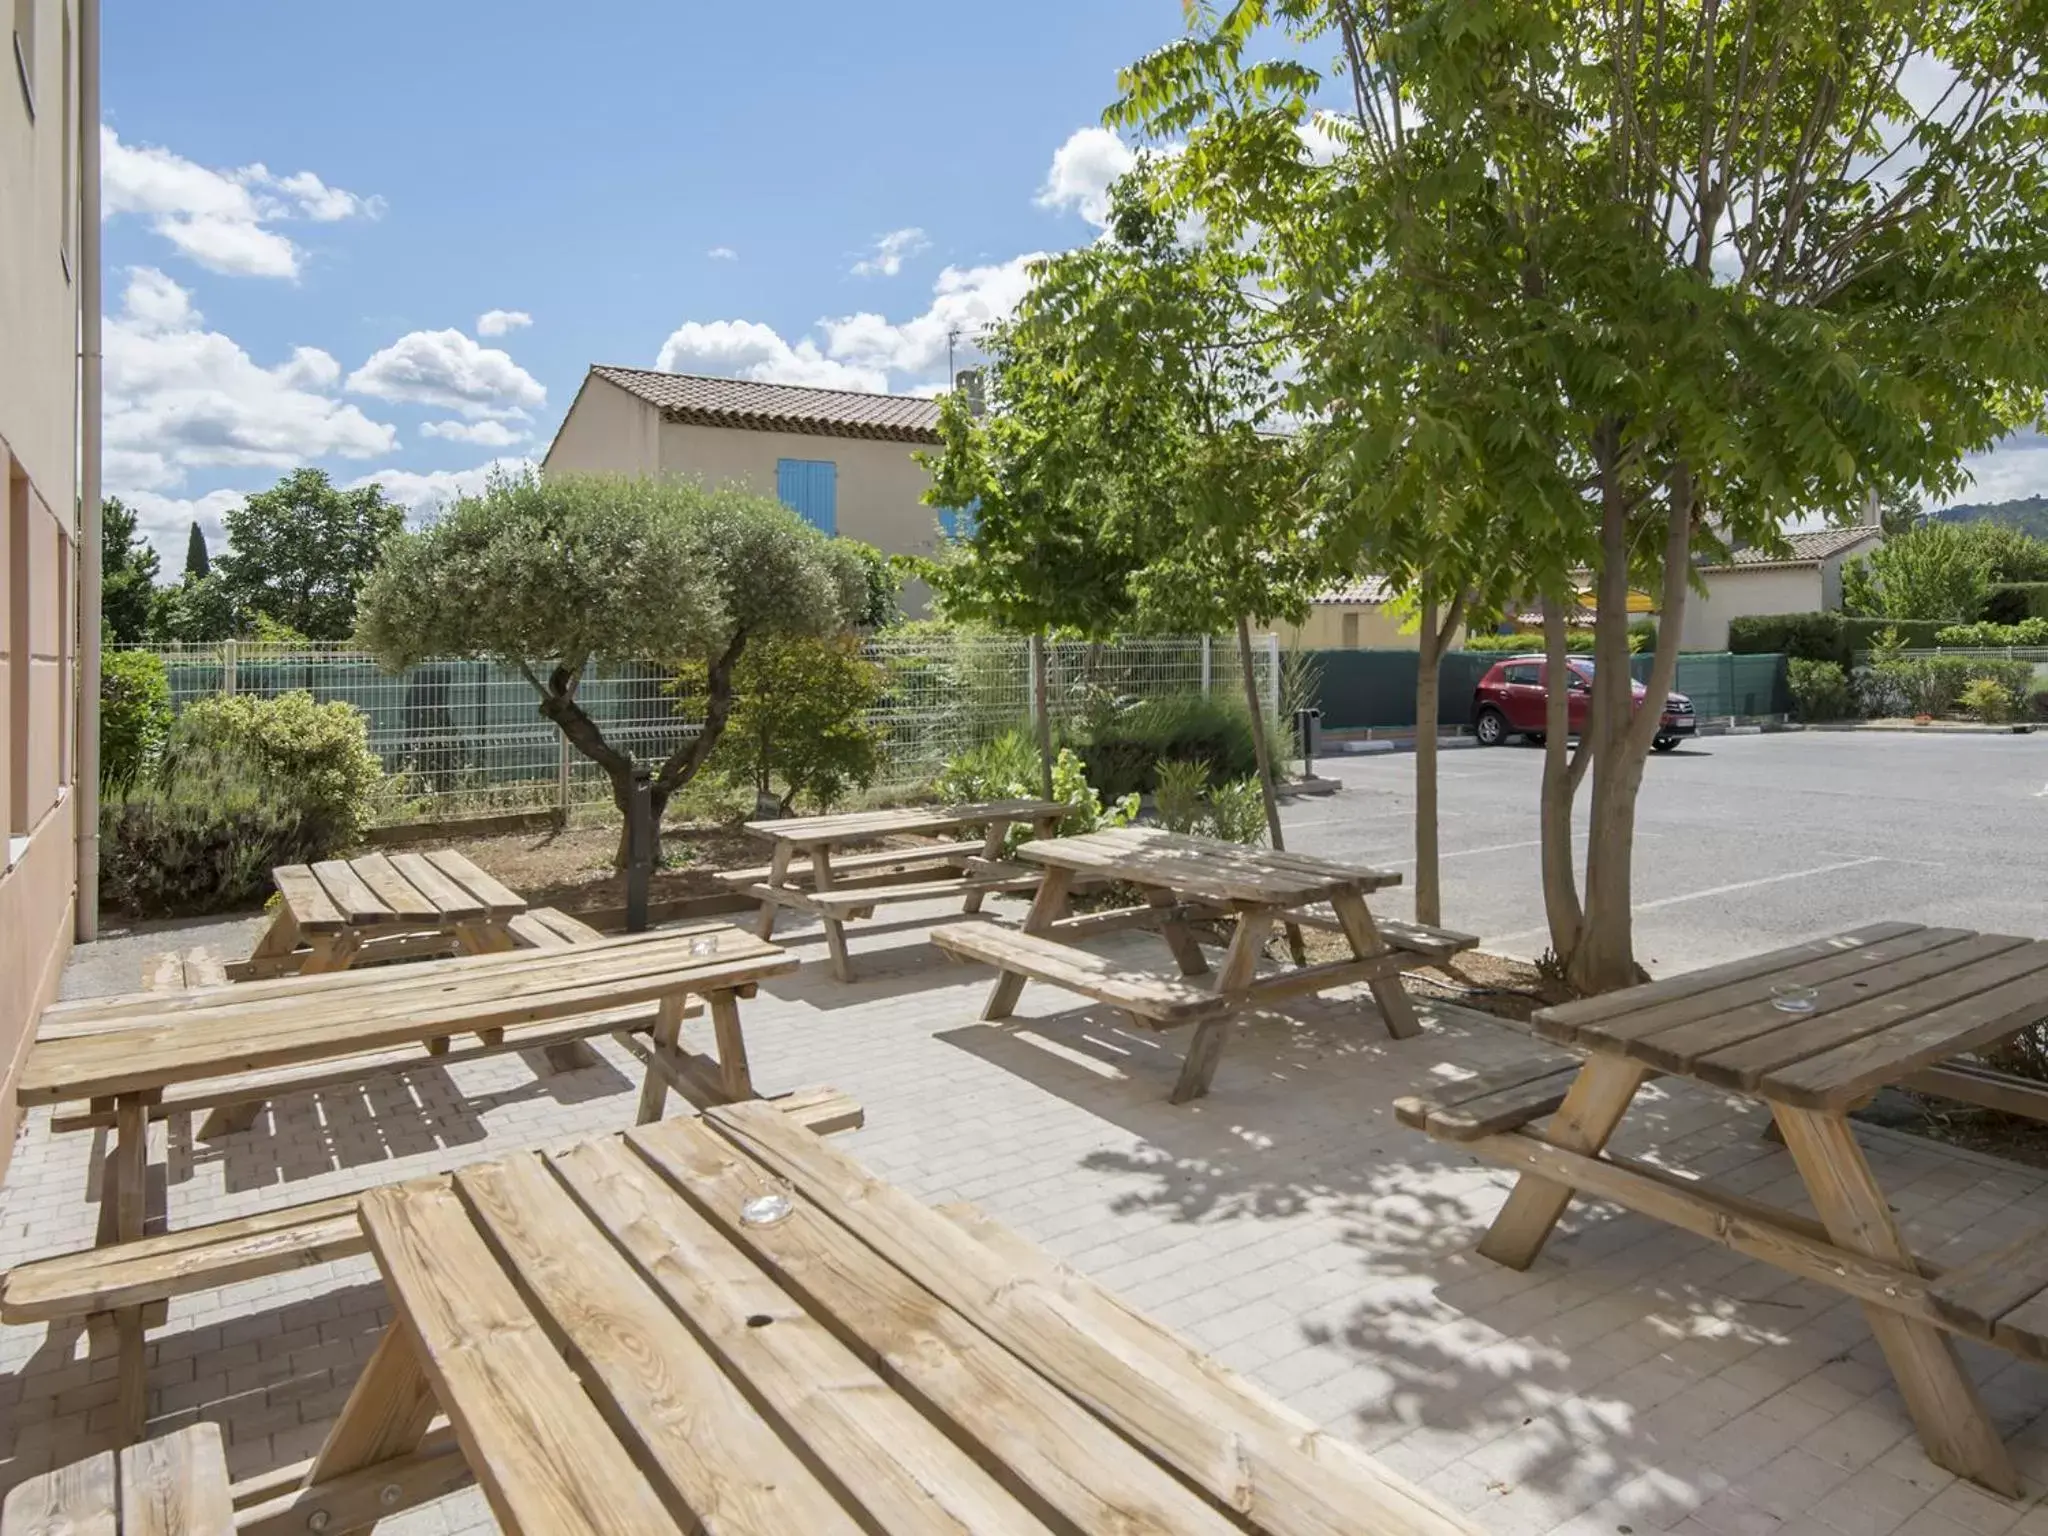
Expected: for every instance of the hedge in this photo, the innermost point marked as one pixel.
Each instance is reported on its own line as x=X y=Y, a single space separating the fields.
x=1824 y=636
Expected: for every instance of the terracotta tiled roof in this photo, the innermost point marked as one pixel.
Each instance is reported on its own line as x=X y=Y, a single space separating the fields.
x=1359 y=590
x=1805 y=548
x=715 y=402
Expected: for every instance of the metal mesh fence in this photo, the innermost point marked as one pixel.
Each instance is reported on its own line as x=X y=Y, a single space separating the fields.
x=466 y=738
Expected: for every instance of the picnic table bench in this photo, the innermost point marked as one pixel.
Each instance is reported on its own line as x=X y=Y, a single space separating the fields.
x=1188 y=879
x=146 y=1055
x=345 y=912
x=1813 y=1030
x=727 y=1325
x=805 y=872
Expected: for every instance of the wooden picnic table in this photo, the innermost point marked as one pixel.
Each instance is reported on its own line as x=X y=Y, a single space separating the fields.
x=1813 y=1030
x=1186 y=879
x=344 y=912
x=625 y=1342
x=805 y=872
x=144 y=1055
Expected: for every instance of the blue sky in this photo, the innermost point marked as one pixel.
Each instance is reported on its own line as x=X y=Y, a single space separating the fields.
x=387 y=238
x=310 y=208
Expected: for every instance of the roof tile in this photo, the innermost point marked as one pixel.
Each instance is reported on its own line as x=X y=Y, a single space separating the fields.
x=745 y=403
x=1803 y=548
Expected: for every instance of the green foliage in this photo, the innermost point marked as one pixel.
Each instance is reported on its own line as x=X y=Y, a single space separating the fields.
x=1934 y=685
x=879 y=608
x=2014 y=602
x=1234 y=812
x=2011 y=555
x=1801 y=636
x=197 y=561
x=799 y=728
x=1820 y=690
x=1003 y=768
x=1237 y=812
x=302 y=550
x=1180 y=794
x=2037 y=705
x=265 y=630
x=135 y=717
x=128 y=567
x=1123 y=747
x=314 y=758
x=197 y=610
x=2026 y=632
x=1071 y=788
x=1938 y=571
x=1577 y=641
x=1988 y=700
x=1909 y=634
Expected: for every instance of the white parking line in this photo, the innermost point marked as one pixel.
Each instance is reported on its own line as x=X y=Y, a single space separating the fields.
x=1712 y=890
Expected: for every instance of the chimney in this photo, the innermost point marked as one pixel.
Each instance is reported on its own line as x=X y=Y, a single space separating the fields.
x=973 y=387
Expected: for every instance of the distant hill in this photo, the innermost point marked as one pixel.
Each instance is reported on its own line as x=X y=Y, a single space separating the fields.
x=2029 y=513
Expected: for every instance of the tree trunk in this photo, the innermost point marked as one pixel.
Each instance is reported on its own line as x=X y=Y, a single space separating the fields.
x=1042 y=713
x=1435 y=643
x=1604 y=959
x=1263 y=750
x=1562 y=770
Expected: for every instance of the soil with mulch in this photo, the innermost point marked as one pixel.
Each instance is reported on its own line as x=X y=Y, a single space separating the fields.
x=1495 y=984
x=571 y=868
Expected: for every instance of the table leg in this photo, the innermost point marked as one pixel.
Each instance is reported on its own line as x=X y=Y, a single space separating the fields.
x=129 y=1169
x=778 y=876
x=991 y=848
x=835 y=928
x=331 y=952
x=1180 y=938
x=387 y=1412
x=1396 y=1010
x=668 y=1029
x=1047 y=908
x=1954 y=1426
x=734 y=1075
x=1599 y=1097
x=1240 y=964
x=272 y=955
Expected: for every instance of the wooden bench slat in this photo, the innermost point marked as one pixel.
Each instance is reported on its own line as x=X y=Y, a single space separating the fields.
x=1438 y=943
x=80 y=1499
x=862 y=826
x=203 y=968
x=177 y=1485
x=1977 y=1294
x=546 y=928
x=1163 y=999
x=838 y=903
x=1505 y=1102
x=844 y=864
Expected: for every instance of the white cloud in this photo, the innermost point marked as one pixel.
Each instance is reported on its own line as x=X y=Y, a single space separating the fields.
x=723 y=253
x=221 y=219
x=964 y=300
x=422 y=493
x=2016 y=468
x=1082 y=170
x=496 y=322
x=746 y=349
x=448 y=370
x=166 y=521
x=891 y=250
x=488 y=433
x=180 y=397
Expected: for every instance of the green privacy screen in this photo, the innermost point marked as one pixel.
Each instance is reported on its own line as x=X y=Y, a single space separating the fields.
x=1376 y=689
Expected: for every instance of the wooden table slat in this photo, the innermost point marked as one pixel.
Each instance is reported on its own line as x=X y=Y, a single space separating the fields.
x=396 y=892
x=908 y=1475
x=453 y=902
x=1082 y=1468
x=554 y=1464
x=500 y=900
x=862 y=826
x=351 y=895
x=695 y=1427
x=309 y=902
x=1202 y=868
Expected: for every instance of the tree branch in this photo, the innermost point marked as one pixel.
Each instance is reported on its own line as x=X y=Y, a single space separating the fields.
x=685 y=762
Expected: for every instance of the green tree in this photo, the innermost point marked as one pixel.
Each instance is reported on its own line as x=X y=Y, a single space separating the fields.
x=1938 y=571
x=197 y=561
x=196 y=611
x=302 y=550
x=1752 y=279
x=549 y=576
x=128 y=567
x=799 y=726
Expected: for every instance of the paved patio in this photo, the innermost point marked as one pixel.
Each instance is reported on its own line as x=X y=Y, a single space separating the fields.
x=1634 y=1380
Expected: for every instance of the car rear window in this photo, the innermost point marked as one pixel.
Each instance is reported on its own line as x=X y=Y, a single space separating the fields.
x=1525 y=672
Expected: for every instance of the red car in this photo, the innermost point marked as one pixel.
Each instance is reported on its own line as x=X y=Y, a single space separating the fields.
x=1510 y=701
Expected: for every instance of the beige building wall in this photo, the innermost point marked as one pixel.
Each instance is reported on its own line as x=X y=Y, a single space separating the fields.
x=38 y=549
x=1352 y=627
x=1733 y=592
x=879 y=483
x=607 y=431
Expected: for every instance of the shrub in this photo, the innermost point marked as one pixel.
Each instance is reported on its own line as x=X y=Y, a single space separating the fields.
x=1800 y=636
x=1913 y=634
x=1180 y=796
x=1070 y=787
x=307 y=757
x=1122 y=748
x=1575 y=640
x=1933 y=685
x=2013 y=602
x=1235 y=812
x=1988 y=699
x=1003 y=769
x=1820 y=690
x=135 y=717
x=802 y=719
x=2025 y=632
x=2037 y=705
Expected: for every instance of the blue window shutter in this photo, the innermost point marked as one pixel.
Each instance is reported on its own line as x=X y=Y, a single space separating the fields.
x=959 y=524
x=810 y=488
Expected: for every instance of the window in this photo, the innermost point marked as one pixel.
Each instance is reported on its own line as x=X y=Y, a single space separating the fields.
x=810 y=489
x=1349 y=624
x=25 y=51
x=1523 y=673
x=960 y=523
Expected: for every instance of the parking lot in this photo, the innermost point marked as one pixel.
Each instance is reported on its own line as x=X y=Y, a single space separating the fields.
x=1742 y=842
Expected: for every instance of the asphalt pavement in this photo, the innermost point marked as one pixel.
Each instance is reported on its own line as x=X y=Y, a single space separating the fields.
x=1743 y=843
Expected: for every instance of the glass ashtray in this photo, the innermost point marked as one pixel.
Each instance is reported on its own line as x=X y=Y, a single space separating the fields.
x=1790 y=997
x=766 y=1210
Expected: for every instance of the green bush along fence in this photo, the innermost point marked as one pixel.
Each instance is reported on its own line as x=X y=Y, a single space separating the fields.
x=1376 y=689
x=468 y=740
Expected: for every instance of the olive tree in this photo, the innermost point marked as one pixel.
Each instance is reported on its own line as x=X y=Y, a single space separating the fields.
x=551 y=575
